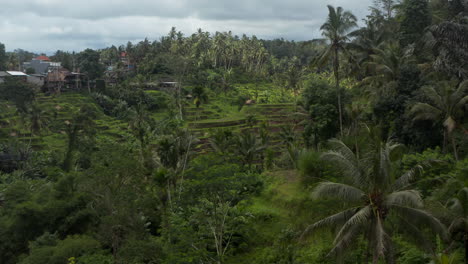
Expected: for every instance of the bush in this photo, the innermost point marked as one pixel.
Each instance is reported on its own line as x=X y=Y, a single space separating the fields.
x=313 y=168
x=434 y=176
x=47 y=250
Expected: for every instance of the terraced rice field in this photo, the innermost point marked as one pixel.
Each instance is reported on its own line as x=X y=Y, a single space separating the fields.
x=202 y=122
x=56 y=111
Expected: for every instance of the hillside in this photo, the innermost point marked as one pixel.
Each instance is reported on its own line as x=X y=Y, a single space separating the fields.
x=215 y=148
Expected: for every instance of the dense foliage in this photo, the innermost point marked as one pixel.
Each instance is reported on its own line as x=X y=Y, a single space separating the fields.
x=215 y=148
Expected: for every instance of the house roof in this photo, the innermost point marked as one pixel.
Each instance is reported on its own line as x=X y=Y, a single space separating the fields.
x=43 y=58
x=16 y=73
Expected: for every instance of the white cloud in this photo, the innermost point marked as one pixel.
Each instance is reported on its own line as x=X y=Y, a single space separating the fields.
x=48 y=25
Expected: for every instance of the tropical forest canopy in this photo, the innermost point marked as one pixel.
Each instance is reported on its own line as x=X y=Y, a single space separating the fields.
x=218 y=148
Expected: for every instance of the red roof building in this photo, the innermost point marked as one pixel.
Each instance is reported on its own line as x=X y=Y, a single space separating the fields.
x=43 y=58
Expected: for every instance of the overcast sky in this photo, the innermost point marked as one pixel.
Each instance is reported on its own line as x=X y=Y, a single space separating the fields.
x=49 y=25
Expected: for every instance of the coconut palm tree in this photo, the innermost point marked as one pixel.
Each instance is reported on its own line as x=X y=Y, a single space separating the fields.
x=248 y=147
x=448 y=41
x=385 y=64
x=200 y=95
x=445 y=105
x=335 y=29
x=458 y=228
x=37 y=119
x=221 y=141
x=376 y=194
x=79 y=126
x=366 y=40
x=294 y=75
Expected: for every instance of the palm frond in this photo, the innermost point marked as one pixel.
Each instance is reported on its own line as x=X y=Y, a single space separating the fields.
x=411 y=198
x=459 y=204
x=321 y=60
x=462 y=103
x=415 y=234
x=424 y=111
x=347 y=161
x=346 y=241
x=408 y=177
x=338 y=190
x=349 y=168
x=420 y=217
x=333 y=220
x=360 y=218
x=457 y=225
x=431 y=93
x=460 y=93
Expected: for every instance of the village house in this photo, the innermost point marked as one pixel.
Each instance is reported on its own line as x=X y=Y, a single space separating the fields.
x=13 y=74
x=41 y=65
x=62 y=80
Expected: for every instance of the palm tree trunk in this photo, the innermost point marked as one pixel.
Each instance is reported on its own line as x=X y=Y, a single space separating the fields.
x=454 y=146
x=337 y=84
x=444 y=144
x=465 y=238
x=67 y=162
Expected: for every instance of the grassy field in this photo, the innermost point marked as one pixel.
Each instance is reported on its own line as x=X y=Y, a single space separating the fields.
x=282 y=212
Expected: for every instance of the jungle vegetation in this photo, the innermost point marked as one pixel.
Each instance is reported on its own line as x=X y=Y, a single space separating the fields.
x=218 y=148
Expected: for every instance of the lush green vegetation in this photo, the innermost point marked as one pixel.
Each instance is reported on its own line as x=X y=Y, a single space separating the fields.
x=214 y=148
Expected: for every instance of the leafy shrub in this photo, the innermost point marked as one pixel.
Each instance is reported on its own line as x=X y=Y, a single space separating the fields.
x=48 y=250
x=432 y=177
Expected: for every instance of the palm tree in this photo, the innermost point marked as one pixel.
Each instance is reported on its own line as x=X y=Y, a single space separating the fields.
x=339 y=23
x=37 y=119
x=81 y=125
x=366 y=40
x=142 y=127
x=375 y=195
x=221 y=141
x=458 y=228
x=248 y=147
x=294 y=75
x=449 y=43
x=445 y=105
x=385 y=64
x=200 y=95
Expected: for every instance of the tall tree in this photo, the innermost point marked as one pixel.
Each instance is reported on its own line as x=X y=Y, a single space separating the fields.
x=22 y=94
x=448 y=42
x=385 y=65
x=89 y=63
x=367 y=39
x=458 y=228
x=375 y=196
x=65 y=58
x=415 y=17
x=386 y=6
x=336 y=29
x=445 y=106
x=79 y=127
x=3 y=57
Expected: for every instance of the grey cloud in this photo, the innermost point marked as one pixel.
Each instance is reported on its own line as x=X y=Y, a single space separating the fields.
x=203 y=9
x=48 y=25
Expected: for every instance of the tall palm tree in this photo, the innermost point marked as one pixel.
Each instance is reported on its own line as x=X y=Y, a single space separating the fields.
x=336 y=29
x=365 y=41
x=375 y=195
x=248 y=147
x=445 y=105
x=294 y=75
x=448 y=41
x=37 y=119
x=385 y=64
x=458 y=228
